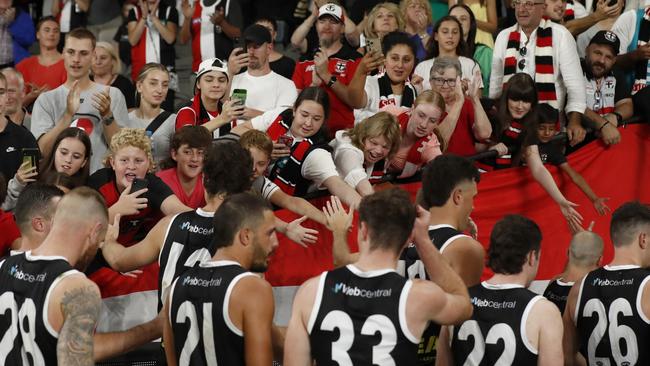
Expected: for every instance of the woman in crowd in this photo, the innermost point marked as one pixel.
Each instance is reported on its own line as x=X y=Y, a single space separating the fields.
x=106 y=70
x=392 y=89
x=481 y=53
x=130 y=159
x=516 y=140
x=71 y=152
x=261 y=147
x=485 y=13
x=447 y=41
x=302 y=156
x=417 y=17
x=208 y=108
x=384 y=18
x=361 y=153
x=420 y=141
x=152 y=86
x=183 y=170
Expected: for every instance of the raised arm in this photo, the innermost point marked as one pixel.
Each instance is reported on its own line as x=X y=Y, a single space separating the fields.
x=42 y=115
x=168 y=30
x=299 y=36
x=185 y=33
x=339 y=222
x=354 y=94
x=339 y=188
x=298 y=205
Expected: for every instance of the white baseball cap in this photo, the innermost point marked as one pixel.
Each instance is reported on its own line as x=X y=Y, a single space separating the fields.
x=332 y=10
x=212 y=64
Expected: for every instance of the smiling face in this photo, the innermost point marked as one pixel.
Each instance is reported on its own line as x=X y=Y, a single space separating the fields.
x=424 y=119
x=129 y=162
x=518 y=108
x=308 y=118
x=446 y=77
x=70 y=156
x=375 y=149
x=213 y=85
x=15 y=93
x=448 y=36
x=153 y=89
x=399 y=63
x=385 y=22
x=261 y=162
x=555 y=9
x=78 y=57
x=463 y=17
x=49 y=34
x=189 y=161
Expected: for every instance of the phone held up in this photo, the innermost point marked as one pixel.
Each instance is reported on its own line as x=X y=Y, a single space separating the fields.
x=30 y=154
x=239 y=95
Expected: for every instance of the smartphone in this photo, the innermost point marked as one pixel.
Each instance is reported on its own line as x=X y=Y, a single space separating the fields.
x=287 y=140
x=239 y=95
x=30 y=154
x=242 y=44
x=138 y=184
x=373 y=45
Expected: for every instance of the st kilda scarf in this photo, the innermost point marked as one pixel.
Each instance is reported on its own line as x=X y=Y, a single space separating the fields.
x=386 y=96
x=544 y=72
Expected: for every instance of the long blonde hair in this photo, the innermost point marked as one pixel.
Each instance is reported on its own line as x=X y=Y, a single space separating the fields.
x=369 y=30
x=117 y=64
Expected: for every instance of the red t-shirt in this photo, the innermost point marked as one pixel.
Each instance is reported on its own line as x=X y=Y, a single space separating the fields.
x=8 y=232
x=343 y=64
x=195 y=200
x=462 y=139
x=33 y=72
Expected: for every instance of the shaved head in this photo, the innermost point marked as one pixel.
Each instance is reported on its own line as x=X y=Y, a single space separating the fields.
x=585 y=249
x=82 y=205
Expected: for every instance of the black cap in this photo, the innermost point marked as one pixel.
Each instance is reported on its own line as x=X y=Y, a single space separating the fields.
x=607 y=38
x=257 y=34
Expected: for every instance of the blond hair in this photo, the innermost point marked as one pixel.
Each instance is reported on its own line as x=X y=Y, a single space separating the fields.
x=369 y=30
x=381 y=124
x=134 y=137
x=117 y=64
x=258 y=140
x=430 y=97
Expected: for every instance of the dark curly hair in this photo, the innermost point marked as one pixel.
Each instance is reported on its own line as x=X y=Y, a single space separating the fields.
x=196 y=137
x=442 y=175
x=227 y=169
x=512 y=238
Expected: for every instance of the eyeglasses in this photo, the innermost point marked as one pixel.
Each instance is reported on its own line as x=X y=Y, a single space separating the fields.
x=443 y=81
x=598 y=102
x=525 y=4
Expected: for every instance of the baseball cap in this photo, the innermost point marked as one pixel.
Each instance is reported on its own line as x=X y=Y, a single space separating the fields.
x=257 y=34
x=332 y=10
x=607 y=38
x=212 y=64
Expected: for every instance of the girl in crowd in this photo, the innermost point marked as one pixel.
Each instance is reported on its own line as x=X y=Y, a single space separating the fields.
x=447 y=41
x=106 y=70
x=303 y=159
x=417 y=16
x=392 y=89
x=516 y=140
x=485 y=13
x=152 y=86
x=261 y=147
x=361 y=153
x=71 y=152
x=481 y=53
x=208 y=108
x=183 y=169
x=130 y=159
x=420 y=142
x=384 y=18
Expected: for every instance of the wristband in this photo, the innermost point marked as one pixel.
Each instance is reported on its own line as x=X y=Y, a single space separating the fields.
x=604 y=124
x=331 y=82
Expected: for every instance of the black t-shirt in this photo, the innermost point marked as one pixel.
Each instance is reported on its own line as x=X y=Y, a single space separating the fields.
x=12 y=140
x=127 y=88
x=551 y=153
x=284 y=66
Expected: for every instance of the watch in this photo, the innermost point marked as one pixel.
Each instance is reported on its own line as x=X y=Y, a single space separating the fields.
x=108 y=120
x=331 y=82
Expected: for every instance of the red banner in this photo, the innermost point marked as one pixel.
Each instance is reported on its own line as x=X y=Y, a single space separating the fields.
x=620 y=172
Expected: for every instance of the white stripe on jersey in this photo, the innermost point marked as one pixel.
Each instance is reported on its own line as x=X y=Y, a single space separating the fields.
x=207 y=31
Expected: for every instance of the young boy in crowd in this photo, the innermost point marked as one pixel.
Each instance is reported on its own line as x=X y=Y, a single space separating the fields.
x=552 y=153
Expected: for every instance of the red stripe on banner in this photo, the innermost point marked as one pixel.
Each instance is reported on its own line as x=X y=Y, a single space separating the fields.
x=506 y=191
x=112 y=283
x=543 y=69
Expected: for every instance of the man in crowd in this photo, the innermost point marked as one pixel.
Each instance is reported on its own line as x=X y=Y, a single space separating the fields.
x=584 y=254
x=266 y=90
x=607 y=312
x=230 y=310
x=509 y=321
x=608 y=96
x=355 y=302
x=336 y=60
x=525 y=47
x=13 y=138
x=15 y=96
x=99 y=110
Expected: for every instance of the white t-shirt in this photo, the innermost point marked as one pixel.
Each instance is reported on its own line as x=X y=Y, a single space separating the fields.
x=50 y=106
x=349 y=160
x=317 y=167
x=266 y=92
x=161 y=137
x=373 y=97
x=467 y=67
x=625 y=27
x=264 y=187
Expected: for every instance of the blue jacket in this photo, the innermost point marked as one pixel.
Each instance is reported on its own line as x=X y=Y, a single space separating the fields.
x=23 y=35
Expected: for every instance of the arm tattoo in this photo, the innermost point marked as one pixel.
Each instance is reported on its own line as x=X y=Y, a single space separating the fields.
x=80 y=308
